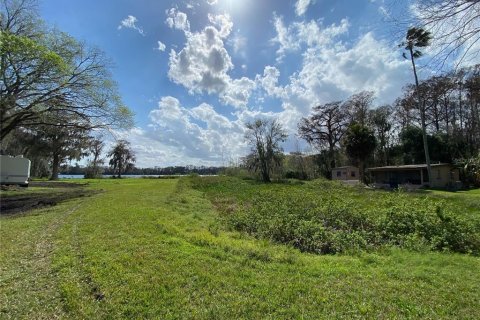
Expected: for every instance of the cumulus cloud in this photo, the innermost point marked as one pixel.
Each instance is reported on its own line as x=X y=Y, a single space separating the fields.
x=130 y=22
x=238 y=92
x=330 y=73
x=177 y=20
x=198 y=133
x=183 y=135
x=203 y=64
x=223 y=22
x=293 y=37
x=331 y=69
x=269 y=81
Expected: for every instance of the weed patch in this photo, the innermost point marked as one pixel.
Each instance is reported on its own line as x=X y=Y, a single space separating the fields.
x=326 y=217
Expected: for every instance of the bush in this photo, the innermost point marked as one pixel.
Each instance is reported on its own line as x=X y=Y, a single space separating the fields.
x=325 y=217
x=470 y=173
x=93 y=172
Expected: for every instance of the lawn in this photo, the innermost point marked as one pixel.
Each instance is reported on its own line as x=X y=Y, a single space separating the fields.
x=146 y=248
x=467 y=200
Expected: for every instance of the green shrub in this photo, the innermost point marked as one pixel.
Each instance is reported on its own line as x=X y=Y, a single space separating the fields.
x=326 y=217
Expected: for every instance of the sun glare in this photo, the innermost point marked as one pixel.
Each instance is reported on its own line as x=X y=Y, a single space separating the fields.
x=234 y=6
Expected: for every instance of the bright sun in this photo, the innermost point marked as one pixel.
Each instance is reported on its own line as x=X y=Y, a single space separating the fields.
x=233 y=6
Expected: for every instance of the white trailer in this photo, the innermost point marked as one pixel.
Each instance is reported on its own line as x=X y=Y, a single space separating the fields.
x=14 y=170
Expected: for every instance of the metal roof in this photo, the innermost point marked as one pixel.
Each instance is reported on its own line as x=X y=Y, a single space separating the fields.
x=408 y=167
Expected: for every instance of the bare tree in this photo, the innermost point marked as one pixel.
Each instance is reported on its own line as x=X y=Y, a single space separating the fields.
x=94 y=169
x=265 y=137
x=325 y=127
x=455 y=25
x=358 y=106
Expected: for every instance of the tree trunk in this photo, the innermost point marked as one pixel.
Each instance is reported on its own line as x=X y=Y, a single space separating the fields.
x=119 y=170
x=332 y=156
x=265 y=175
x=55 y=167
x=421 y=106
x=361 y=171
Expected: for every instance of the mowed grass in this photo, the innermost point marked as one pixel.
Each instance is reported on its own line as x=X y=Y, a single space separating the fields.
x=464 y=201
x=158 y=249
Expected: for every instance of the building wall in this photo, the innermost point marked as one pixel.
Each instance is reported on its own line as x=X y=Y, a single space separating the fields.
x=350 y=173
x=442 y=176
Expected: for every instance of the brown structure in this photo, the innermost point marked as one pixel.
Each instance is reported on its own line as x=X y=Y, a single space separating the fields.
x=347 y=173
x=414 y=176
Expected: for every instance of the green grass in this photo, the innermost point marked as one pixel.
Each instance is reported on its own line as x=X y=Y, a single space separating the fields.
x=464 y=201
x=148 y=248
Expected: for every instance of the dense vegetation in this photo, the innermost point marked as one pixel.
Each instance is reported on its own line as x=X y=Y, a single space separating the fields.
x=327 y=217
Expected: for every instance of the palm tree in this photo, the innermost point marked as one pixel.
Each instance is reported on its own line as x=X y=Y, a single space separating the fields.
x=419 y=38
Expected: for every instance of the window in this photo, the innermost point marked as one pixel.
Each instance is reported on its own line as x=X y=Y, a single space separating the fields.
x=339 y=173
x=352 y=174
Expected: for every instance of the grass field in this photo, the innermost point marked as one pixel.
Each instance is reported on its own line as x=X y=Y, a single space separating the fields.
x=146 y=248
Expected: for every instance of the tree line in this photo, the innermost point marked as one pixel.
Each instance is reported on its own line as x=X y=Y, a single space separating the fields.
x=155 y=171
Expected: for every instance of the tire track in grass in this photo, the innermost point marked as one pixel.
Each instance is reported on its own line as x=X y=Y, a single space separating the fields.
x=30 y=286
x=44 y=249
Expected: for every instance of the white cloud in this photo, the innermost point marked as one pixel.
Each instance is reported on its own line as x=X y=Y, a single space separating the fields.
x=223 y=22
x=130 y=23
x=298 y=34
x=238 y=91
x=203 y=65
x=212 y=2
x=269 y=81
x=161 y=46
x=331 y=70
x=301 y=7
x=177 y=20
x=332 y=73
x=196 y=135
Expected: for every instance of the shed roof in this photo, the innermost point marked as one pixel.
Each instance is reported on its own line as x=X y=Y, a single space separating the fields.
x=345 y=167
x=408 y=167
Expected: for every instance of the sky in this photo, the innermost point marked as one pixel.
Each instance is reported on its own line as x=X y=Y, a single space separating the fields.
x=194 y=72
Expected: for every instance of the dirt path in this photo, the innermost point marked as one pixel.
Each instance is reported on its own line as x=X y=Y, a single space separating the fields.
x=35 y=197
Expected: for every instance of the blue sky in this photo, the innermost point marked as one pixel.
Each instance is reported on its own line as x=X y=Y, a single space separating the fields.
x=194 y=72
